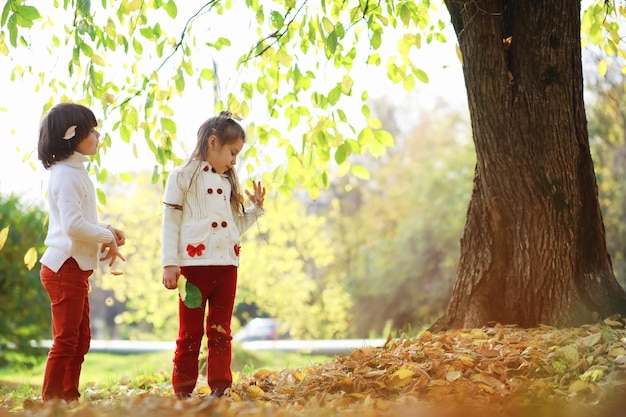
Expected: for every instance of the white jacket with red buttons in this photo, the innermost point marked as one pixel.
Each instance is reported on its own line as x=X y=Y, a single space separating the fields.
x=205 y=231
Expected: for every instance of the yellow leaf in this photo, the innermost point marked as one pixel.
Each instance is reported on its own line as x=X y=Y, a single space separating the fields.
x=255 y=392
x=592 y=375
x=602 y=67
x=453 y=376
x=361 y=172
x=30 y=259
x=297 y=376
x=182 y=289
x=4 y=233
x=264 y=374
x=615 y=352
x=578 y=386
x=204 y=390
x=466 y=360
x=403 y=373
x=97 y=59
x=401 y=377
x=437 y=382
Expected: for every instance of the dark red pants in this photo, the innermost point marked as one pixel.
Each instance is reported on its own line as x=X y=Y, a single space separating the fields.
x=68 y=290
x=215 y=286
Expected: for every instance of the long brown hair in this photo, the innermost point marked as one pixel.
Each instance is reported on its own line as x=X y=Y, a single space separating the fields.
x=226 y=129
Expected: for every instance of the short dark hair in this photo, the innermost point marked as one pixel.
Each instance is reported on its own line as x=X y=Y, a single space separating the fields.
x=52 y=147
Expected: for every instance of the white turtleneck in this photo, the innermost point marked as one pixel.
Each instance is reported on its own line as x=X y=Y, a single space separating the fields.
x=73 y=229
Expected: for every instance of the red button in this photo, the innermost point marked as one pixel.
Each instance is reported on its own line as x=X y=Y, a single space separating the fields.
x=210 y=191
x=206 y=168
x=224 y=224
x=214 y=224
x=219 y=191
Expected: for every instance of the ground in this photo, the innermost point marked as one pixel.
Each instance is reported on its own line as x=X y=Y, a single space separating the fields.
x=495 y=371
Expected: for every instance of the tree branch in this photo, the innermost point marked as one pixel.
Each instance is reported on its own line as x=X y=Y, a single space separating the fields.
x=203 y=10
x=276 y=36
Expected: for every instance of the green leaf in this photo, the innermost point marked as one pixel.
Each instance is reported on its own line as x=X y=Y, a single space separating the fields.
x=276 y=19
x=168 y=125
x=409 y=83
x=334 y=95
x=360 y=171
x=331 y=43
x=342 y=153
x=102 y=198
x=103 y=175
x=86 y=50
x=384 y=137
x=12 y=26
x=26 y=15
x=193 y=296
x=126 y=177
x=137 y=47
x=327 y=25
x=5 y=12
x=171 y=9
x=376 y=40
x=27 y=12
x=147 y=32
x=421 y=75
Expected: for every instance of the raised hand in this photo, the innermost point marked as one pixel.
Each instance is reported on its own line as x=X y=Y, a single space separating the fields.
x=259 y=194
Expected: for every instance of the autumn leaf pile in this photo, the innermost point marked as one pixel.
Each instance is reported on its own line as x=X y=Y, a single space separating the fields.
x=495 y=371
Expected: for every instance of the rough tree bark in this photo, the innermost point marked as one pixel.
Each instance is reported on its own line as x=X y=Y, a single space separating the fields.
x=533 y=250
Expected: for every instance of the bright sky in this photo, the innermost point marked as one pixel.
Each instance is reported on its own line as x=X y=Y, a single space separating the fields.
x=21 y=107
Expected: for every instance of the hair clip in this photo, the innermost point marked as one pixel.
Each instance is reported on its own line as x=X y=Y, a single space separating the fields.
x=230 y=115
x=70 y=132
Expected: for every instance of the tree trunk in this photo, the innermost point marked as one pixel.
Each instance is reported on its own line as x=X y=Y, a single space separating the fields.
x=533 y=250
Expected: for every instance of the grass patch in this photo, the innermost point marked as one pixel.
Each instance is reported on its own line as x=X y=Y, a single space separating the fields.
x=107 y=369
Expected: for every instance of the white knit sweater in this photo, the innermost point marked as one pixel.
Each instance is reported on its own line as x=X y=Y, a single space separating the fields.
x=73 y=228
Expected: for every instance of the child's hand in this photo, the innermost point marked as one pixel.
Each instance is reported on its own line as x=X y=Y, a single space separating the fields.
x=170 y=276
x=259 y=194
x=112 y=252
x=119 y=236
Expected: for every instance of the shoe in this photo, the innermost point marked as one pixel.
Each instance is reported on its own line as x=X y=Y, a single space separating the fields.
x=182 y=395
x=218 y=392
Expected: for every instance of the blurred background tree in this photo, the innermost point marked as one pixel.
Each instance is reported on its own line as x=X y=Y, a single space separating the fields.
x=606 y=98
x=398 y=232
x=24 y=305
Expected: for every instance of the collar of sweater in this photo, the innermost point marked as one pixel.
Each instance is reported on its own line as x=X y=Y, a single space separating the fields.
x=205 y=166
x=76 y=160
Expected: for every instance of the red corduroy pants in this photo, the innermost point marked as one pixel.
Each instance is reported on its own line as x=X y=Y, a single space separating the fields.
x=68 y=290
x=217 y=286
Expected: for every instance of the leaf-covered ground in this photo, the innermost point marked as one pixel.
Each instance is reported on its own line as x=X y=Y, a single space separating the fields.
x=494 y=371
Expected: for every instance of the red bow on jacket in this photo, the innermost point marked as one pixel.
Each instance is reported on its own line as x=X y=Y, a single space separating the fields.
x=195 y=250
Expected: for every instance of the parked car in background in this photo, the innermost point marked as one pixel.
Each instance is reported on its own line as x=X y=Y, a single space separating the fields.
x=262 y=329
